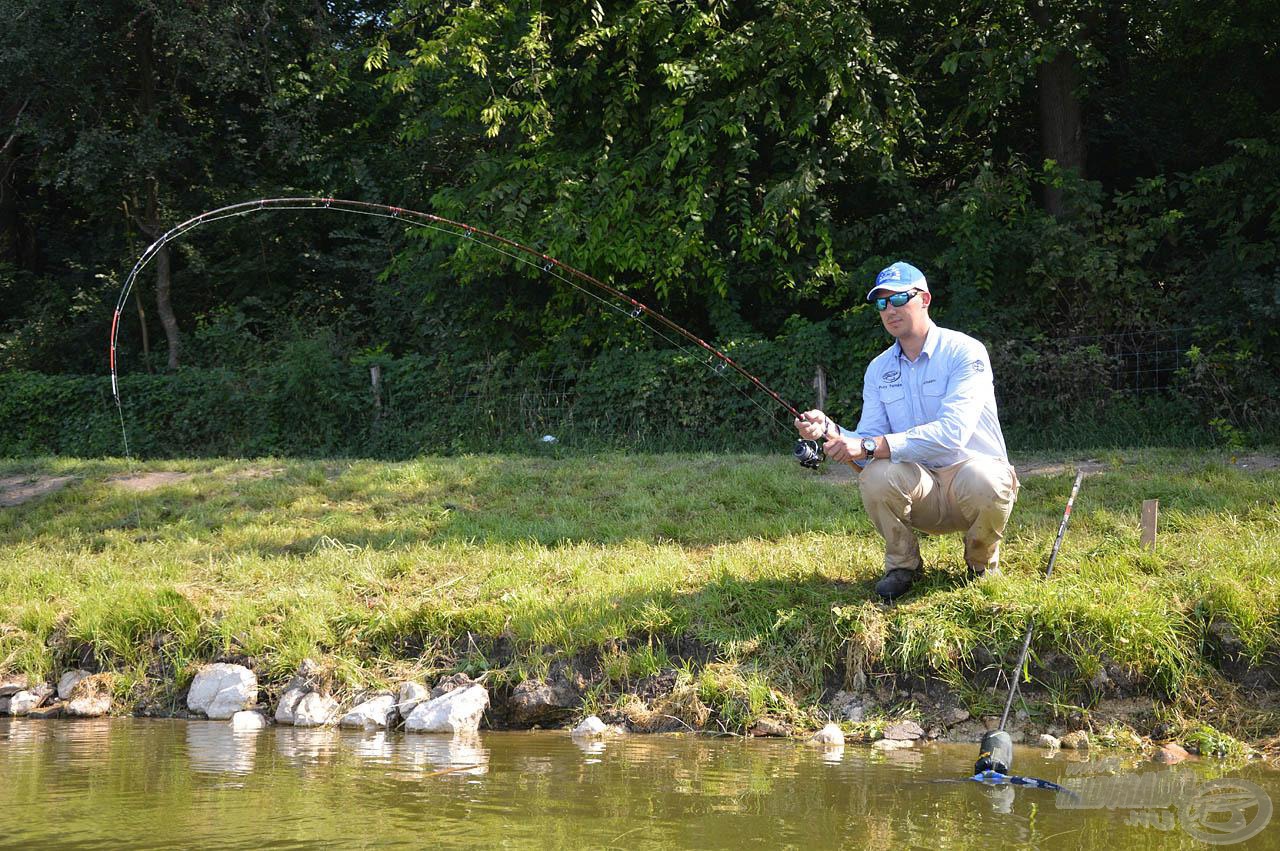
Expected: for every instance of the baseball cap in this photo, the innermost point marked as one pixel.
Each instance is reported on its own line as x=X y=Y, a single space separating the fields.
x=899 y=278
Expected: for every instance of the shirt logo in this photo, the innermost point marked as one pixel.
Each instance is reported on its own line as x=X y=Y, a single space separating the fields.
x=979 y=366
x=891 y=375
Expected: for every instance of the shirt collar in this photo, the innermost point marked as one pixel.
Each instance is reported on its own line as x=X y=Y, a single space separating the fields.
x=930 y=342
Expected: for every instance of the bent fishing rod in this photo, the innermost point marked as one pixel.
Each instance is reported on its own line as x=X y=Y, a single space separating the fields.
x=809 y=453
x=995 y=753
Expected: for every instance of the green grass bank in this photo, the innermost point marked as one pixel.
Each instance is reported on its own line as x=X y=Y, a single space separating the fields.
x=710 y=591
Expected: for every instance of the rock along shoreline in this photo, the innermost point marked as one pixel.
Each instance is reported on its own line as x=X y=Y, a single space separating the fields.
x=458 y=705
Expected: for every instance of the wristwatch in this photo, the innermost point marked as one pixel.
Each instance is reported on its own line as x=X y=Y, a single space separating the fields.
x=869 y=447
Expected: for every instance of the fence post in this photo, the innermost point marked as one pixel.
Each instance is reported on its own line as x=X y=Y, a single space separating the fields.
x=820 y=388
x=375 y=378
x=1150 y=513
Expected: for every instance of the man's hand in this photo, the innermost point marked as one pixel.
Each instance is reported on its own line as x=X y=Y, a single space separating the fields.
x=843 y=449
x=812 y=425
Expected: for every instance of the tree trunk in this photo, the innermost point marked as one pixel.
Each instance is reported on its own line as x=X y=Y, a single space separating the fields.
x=163 y=307
x=149 y=223
x=1061 y=121
x=15 y=244
x=151 y=219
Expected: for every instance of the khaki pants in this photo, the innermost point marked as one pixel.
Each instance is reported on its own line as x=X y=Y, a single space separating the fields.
x=974 y=497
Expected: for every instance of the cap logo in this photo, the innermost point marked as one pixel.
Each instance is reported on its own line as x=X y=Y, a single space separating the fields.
x=889 y=276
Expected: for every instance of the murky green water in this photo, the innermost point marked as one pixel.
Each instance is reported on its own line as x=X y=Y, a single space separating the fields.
x=158 y=784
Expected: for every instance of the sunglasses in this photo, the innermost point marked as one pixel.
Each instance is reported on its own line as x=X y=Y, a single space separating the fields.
x=897 y=299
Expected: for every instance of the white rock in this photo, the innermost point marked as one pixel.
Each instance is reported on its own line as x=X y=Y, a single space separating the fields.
x=315 y=710
x=459 y=711
x=590 y=726
x=829 y=735
x=25 y=701
x=68 y=682
x=221 y=690
x=247 y=720
x=1049 y=742
x=409 y=696
x=91 y=705
x=287 y=711
x=891 y=744
x=375 y=714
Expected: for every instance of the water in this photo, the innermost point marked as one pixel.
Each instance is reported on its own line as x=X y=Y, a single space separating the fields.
x=126 y=783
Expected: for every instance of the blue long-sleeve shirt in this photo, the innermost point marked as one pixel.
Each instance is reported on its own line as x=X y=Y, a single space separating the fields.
x=938 y=410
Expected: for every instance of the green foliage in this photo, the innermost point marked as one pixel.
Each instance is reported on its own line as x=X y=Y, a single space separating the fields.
x=744 y=168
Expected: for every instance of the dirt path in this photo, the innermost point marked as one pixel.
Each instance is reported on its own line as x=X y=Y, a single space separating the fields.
x=143 y=482
x=15 y=490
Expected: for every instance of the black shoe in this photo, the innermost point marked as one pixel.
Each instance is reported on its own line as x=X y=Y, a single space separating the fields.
x=895 y=583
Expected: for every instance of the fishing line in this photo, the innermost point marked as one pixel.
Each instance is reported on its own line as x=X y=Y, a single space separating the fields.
x=516 y=251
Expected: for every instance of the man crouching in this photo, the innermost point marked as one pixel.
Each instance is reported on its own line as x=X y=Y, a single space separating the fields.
x=929 y=442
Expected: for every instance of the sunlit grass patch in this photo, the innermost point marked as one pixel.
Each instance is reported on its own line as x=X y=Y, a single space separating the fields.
x=506 y=564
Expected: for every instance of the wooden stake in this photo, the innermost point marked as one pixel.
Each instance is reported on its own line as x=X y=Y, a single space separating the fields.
x=820 y=388
x=1150 y=514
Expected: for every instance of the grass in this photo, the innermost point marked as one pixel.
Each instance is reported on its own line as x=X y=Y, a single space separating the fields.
x=747 y=575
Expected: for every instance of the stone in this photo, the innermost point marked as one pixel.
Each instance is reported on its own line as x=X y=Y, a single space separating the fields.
x=24 y=702
x=450 y=683
x=249 y=720
x=68 y=682
x=829 y=735
x=1077 y=740
x=1048 y=742
x=1171 y=754
x=11 y=684
x=770 y=728
x=375 y=714
x=904 y=731
x=891 y=744
x=459 y=711
x=287 y=709
x=409 y=695
x=55 y=710
x=91 y=697
x=221 y=690
x=855 y=712
x=538 y=702
x=957 y=715
x=4 y=705
x=315 y=710
x=590 y=726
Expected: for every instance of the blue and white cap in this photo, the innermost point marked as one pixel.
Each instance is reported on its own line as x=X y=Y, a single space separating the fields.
x=899 y=278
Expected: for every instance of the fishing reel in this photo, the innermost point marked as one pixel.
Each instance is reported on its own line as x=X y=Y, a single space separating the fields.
x=809 y=453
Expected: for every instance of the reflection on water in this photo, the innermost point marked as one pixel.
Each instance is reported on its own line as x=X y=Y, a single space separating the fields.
x=161 y=784
x=215 y=747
